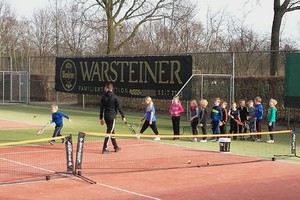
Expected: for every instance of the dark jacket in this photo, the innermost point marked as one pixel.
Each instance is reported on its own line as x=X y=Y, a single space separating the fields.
x=243 y=113
x=110 y=106
x=203 y=116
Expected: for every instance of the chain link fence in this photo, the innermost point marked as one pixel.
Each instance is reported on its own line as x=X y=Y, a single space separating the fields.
x=235 y=66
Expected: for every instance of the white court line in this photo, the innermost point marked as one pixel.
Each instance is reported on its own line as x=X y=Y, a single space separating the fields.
x=27 y=165
x=127 y=191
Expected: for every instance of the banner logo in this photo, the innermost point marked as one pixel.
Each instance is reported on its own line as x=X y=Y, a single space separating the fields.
x=68 y=75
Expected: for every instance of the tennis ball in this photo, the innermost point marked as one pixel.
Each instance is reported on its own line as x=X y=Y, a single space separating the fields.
x=189 y=161
x=208 y=163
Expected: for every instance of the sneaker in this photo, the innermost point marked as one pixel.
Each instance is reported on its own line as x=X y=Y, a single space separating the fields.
x=195 y=140
x=258 y=140
x=117 y=149
x=203 y=140
x=138 y=136
x=51 y=142
x=156 y=138
x=105 y=151
x=270 y=141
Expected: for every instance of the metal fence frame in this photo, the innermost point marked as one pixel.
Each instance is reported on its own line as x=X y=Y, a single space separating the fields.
x=23 y=87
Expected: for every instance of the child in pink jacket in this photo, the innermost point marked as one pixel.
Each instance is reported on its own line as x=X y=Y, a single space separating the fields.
x=176 y=109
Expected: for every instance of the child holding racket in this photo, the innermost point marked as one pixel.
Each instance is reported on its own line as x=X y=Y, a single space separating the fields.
x=57 y=118
x=150 y=118
x=175 y=110
x=224 y=117
x=234 y=115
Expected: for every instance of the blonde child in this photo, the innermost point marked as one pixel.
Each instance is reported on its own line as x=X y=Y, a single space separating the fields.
x=57 y=118
x=175 y=110
x=203 y=118
x=258 y=115
x=272 y=111
x=216 y=117
x=150 y=118
x=243 y=112
x=194 y=117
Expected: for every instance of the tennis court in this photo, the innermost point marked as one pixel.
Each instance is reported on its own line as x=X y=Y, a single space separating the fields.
x=145 y=169
x=10 y=125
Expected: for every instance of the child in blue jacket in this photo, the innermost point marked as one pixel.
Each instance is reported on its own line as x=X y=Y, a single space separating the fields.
x=57 y=118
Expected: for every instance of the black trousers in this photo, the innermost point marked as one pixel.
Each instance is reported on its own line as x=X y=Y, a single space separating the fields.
x=270 y=129
x=110 y=129
x=152 y=126
x=176 y=124
x=57 y=131
x=194 y=124
x=204 y=132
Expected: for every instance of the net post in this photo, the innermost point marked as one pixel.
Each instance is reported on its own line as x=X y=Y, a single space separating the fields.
x=69 y=153
x=293 y=147
x=294 y=144
x=79 y=151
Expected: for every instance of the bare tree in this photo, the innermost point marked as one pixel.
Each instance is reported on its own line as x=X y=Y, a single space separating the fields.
x=74 y=33
x=119 y=13
x=7 y=22
x=41 y=31
x=279 y=11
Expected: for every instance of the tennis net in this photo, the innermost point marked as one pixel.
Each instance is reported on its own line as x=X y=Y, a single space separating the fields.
x=143 y=154
x=34 y=160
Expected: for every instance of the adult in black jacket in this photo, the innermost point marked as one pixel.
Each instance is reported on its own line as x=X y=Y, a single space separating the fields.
x=109 y=107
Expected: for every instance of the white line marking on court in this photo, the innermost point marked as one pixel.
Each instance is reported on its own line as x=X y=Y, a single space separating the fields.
x=27 y=165
x=127 y=191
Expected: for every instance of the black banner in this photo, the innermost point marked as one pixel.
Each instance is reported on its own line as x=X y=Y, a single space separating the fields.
x=156 y=76
x=79 y=151
x=69 y=149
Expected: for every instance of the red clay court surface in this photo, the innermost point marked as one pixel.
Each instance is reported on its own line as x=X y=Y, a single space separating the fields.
x=128 y=180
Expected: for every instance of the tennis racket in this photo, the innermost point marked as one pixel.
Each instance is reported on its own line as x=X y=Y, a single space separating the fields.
x=41 y=130
x=239 y=122
x=130 y=128
x=136 y=126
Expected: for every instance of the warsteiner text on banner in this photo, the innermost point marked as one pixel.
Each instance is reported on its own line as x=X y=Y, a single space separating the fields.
x=156 y=76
